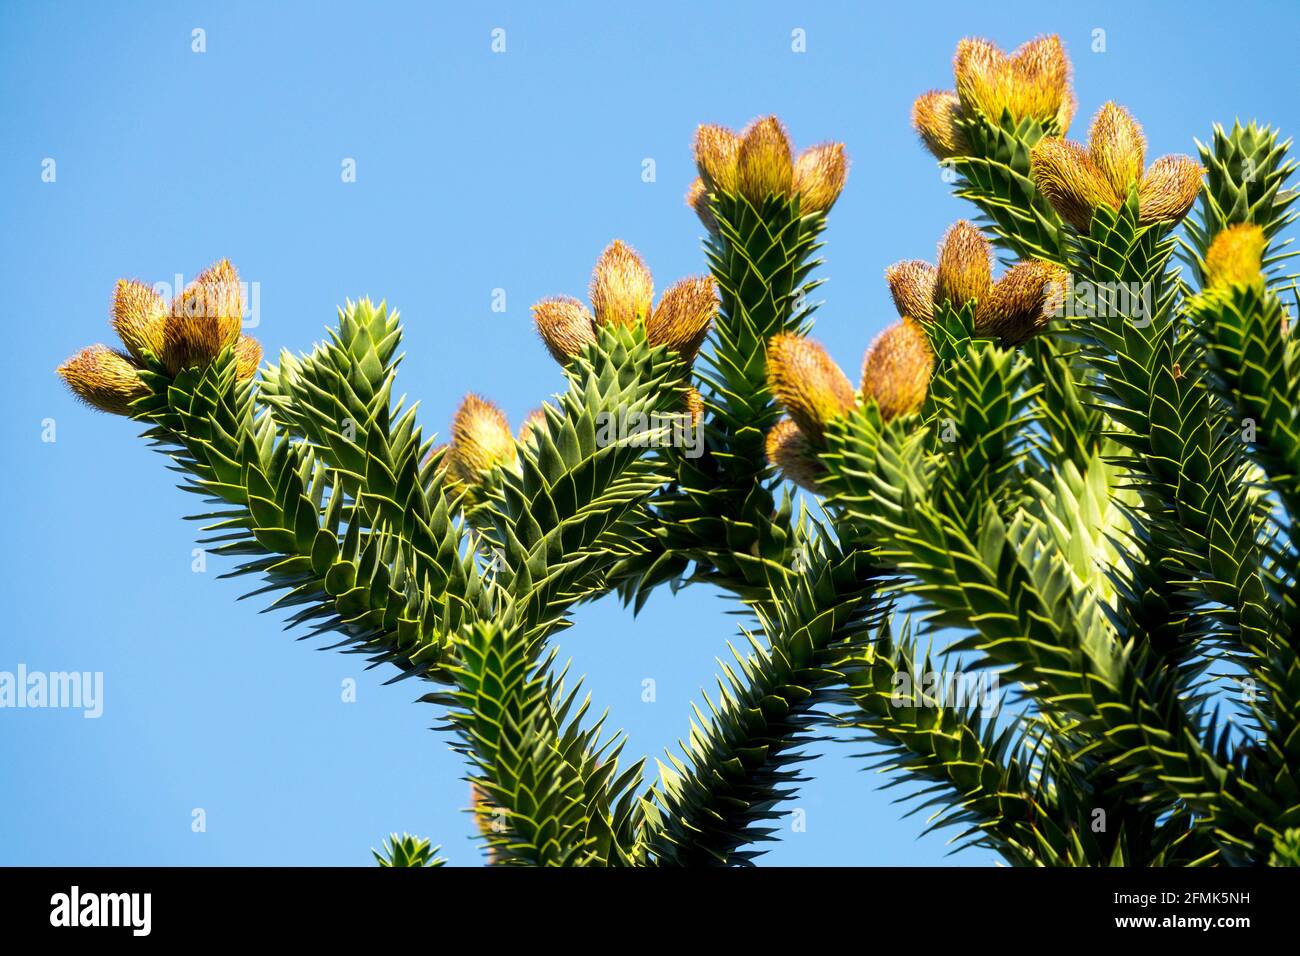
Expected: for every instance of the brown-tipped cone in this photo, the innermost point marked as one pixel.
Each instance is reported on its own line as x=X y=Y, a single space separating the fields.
x=697 y=197
x=622 y=288
x=1040 y=71
x=790 y=452
x=807 y=383
x=717 y=152
x=911 y=283
x=1168 y=189
x=203 y=319
x=104 y=379
x=565 y=326
x=764 y=165
x=1117 y=147
x=1066 y=176
x=681 y=320
x=896 y=370
x=819 y=176
x=534 y=423
x=138 y=316
x=983 y=77
x=1022 y=302
x=480 y=440
x=936 y=117
x=1236 y=255
x=248 y=356
x=965 y=269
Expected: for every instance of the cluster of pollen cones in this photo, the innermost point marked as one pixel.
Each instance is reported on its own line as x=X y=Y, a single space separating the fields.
x=1028 y=89
x=203 y=321
x=1033 y=84
x=621 y=294
x=897 y=368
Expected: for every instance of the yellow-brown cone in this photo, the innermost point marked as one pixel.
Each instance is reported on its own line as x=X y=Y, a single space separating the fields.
x=790 y=452
x=1022 y=302
x=1168 y=189
x=697 y=197
x=681 y=320
x=807 y=383
x=965 y=269
x=896 y=370
x=911 y=283
x=1117 y=147
x=1236 y=255
x=983 y=75
x=204 y=319
x=1041 y=74
x=764 y=163
x=621 y=287
x=248 y=356
x=104 y=379
x=1067 y=178
x=819 y=176
x=717 y=152
x=138 y=316
x=936 y=117
x=480 y=440
x=565 y=326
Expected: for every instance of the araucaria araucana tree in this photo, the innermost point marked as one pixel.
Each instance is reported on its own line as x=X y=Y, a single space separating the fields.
x=1083 y=476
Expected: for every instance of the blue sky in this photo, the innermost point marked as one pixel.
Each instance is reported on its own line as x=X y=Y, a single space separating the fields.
x=476 y=171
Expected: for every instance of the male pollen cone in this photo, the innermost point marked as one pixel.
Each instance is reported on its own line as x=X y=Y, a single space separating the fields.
x=911 y=283
x=789 y=451
x=819 y=176
x=1022 y=302
x=697 y=197
x=1067 y=178
x=965 y=269
x=104 y=379
x=694 y=405
x=681 y=320
x=1168 y=189
x=897 y=368
x=937 y=118
x=248 y=356
x=480 y=440
x=765 y=166
x=622 y=289
x=1117 y=147
x=1236 y=255
x=807 y=383
x=138 y=316
x=1043 y=73
x=565 y=327
x=717 y=154
x=204 y=319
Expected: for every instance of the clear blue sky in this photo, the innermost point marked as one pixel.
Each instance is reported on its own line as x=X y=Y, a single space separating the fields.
x=475 y=171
